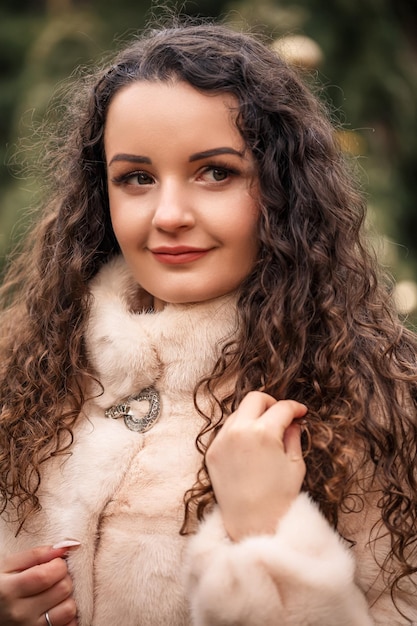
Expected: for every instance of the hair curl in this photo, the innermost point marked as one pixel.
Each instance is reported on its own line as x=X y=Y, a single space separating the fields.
x=317 y=320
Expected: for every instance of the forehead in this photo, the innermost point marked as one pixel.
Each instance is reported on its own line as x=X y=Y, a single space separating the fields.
x=171 y=112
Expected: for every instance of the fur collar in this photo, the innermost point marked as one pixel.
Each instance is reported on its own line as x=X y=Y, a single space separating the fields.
x=131 y=347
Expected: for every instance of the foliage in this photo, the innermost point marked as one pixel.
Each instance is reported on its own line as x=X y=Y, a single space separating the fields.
x=41 y=44
x=368 y=71
x=369 y=76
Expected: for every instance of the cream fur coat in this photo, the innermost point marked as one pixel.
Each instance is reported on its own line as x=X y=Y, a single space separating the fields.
x=120 y=494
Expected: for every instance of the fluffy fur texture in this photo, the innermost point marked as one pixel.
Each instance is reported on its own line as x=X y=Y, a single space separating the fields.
x=301 y=575
x=121 y=494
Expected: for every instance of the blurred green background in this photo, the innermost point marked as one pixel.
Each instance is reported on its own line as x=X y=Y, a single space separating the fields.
x=363 y=53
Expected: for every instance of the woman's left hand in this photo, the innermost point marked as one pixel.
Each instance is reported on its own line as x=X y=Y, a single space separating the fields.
x=256 y=465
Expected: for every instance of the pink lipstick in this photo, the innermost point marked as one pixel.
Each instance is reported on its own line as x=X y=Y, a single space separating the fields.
x=177 y=255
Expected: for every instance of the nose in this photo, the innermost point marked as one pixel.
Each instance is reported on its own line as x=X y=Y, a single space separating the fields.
x=172 y=209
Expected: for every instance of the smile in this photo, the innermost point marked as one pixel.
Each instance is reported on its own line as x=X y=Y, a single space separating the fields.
x=178 y=255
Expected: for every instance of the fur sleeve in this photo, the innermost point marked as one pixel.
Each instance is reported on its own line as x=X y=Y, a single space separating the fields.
x=301 y=575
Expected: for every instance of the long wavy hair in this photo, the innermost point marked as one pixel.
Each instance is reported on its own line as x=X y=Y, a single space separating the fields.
x=317 y=320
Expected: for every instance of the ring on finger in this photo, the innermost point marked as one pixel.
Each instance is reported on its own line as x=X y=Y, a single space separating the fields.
x=48 y=619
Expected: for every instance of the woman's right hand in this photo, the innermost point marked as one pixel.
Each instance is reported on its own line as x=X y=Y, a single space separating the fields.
x=34 y=582
x=256 y=464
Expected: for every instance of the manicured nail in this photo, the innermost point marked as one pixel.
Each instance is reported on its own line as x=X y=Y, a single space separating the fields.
x=69 y=543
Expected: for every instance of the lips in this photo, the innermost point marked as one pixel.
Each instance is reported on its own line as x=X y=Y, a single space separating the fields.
x=178 y=255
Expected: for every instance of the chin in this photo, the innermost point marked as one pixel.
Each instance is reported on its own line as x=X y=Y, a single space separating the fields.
x=194 y=297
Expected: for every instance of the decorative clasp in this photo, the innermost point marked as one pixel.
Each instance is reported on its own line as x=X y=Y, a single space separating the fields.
x=135 y=423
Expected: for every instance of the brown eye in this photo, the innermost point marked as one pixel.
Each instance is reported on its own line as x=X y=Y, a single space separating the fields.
x=219 y=174
x=215 y=174
x=142 y=178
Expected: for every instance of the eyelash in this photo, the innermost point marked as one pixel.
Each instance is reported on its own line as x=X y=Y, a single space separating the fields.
x=226 y=169
x=123 y=179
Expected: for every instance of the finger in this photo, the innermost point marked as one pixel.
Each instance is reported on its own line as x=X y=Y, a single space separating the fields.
x=21 y=561
x=63 y=613
x=253 y=405
x=292 y=442
x=24 y=560
x=282 y=413
x=39 y=578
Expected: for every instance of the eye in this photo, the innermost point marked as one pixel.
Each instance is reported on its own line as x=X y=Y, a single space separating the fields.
x=216 y=174
x=134 y=179
x=139 y=178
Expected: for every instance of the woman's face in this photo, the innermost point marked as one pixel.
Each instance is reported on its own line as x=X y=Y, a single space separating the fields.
x=182 y=190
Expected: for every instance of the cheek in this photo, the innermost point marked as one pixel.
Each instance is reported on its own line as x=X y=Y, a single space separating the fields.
x=115 y=216
x=119 y=230
x=127 y=226
x=252 y=244
x=246 y=230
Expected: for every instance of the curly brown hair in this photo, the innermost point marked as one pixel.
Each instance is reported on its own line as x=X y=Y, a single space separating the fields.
x=318 y=324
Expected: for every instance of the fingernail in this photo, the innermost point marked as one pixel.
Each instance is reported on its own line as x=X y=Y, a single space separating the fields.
x=69 y=543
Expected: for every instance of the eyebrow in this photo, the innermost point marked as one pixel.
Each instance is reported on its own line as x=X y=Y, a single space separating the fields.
x=130 y=158
x=214 y=152
x=137 y=158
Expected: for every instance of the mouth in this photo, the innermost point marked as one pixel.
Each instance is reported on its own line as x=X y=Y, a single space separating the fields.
x=178 y=255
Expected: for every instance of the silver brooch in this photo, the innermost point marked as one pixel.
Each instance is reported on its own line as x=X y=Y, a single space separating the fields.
x=135 y=423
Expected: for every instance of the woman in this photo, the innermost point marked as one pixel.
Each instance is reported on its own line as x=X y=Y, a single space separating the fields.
x=199 y=274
